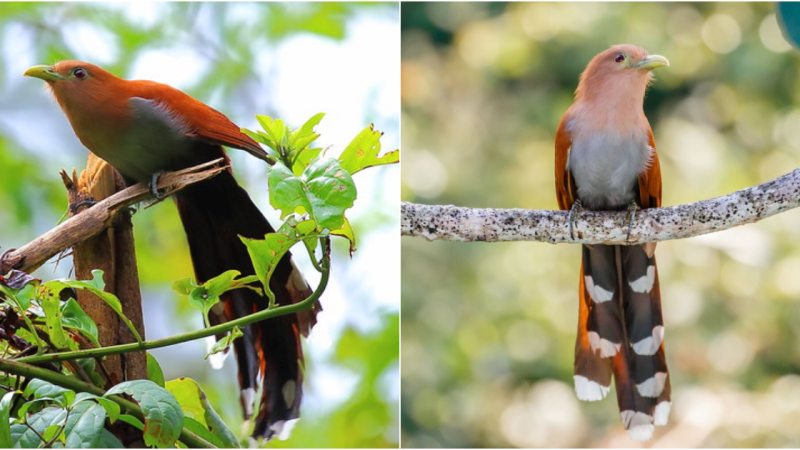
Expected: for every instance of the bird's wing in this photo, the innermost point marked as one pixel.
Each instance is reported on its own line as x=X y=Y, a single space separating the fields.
x=201 y=121
x=565 y=184
x=650 y=179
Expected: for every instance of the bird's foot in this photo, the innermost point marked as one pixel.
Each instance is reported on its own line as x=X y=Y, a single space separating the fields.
x=632 y=208
x=3 y=262
x=572 y=218
x=87 y=202
x=154 y=186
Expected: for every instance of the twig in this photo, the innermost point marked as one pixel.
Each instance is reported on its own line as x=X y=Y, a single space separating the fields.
x=94 y=220
x=452 y=223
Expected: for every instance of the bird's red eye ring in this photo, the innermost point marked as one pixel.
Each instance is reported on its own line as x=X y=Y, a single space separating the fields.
x=619 y=58
x=79 y=73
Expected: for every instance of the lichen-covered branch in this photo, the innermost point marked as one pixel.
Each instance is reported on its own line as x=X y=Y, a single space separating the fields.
x=453 y=223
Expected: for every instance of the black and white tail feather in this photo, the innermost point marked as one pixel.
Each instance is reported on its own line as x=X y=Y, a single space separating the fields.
x=621 y=332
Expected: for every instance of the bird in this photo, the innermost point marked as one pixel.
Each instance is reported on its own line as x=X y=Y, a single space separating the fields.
x=606 y=159
x=144 y=128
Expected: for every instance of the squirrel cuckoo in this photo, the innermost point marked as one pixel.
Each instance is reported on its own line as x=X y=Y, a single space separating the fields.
x=143 y=128
x=606 y=160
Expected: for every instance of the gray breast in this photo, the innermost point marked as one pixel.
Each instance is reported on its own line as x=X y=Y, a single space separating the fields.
x=606 y=167
x=156 y=141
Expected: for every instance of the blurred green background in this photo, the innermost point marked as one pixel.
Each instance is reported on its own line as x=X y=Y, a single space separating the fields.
x=286 y=60
x=488 y=330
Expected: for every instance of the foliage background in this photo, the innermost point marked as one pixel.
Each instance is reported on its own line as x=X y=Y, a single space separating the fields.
x=489 y=329
x=286 y=60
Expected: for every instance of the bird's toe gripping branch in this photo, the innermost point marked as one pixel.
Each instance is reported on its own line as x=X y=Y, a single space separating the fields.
x=632 y=208
x=572 y=218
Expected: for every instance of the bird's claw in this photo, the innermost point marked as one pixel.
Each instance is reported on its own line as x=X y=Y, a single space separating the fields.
x=154 y=186
x=87 y=202
x=576 y=209
x=632 y=208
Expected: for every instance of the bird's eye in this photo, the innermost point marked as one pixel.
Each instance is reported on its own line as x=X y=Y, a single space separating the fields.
x=79 y=73
x=619 y=59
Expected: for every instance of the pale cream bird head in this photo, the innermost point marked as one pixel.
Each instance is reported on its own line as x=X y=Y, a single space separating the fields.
x=621 y=72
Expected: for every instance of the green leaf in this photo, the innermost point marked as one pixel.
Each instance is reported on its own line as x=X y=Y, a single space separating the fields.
x=324 y=191
x=73 y=316
x=363 y=152
x=51 y=432
x=154 y=372
x=184 y=286
x=303 y=159
x=197 y=409
x=330 y=191
x=163 y=418
x=51 y=305
x=305 y=135
x=225 y=343
x=42 y=389
x=95 y=286
x=131 y=420
x=347 y=231
x=266 y=254
x=286 y=191
x=24 y=437
x=85 y=426
x=5 y=416
x=112 y=408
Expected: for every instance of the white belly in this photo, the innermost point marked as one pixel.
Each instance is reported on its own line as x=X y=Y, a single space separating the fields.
x=606 y=167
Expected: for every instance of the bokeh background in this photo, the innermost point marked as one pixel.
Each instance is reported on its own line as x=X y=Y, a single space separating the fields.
x=488 y=329
x=286 y=60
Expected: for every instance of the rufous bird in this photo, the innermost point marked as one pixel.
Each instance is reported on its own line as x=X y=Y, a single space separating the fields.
x=143 y=128
x=606 y=159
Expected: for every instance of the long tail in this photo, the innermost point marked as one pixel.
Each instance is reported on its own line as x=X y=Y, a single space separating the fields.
x=621 y=331
x=214 y=213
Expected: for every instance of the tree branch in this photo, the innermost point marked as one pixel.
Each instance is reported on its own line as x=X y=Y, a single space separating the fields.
x=453 y=223
x=97 y=218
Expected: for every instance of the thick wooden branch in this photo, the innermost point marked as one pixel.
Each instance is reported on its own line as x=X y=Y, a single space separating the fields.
x=453 y=223
x=95 y=219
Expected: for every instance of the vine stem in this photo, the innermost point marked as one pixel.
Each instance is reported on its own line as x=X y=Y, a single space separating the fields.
x=189 y=438
x=190 y=336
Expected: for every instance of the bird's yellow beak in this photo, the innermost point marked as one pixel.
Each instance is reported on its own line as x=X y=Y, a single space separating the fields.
x=46 y=73
x=653 y=62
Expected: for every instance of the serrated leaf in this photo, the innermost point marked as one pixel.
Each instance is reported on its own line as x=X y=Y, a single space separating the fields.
x=73 y=316
x=154 y=372
x=363 y=152
x=225 y=343
x=95 y=286
x=163 y=418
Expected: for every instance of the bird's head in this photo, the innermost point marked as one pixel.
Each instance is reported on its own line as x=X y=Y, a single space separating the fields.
x=73 y=80
x=621 y=68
